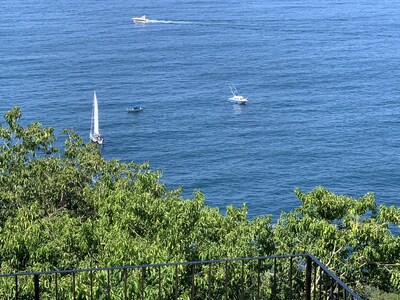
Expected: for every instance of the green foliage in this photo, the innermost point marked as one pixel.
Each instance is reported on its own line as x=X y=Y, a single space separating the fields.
x=372 y=293
x=351 y=236
x=71 y=209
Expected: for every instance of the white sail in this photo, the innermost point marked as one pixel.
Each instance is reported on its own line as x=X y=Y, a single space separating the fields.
x=95 y=135
x=95 y=115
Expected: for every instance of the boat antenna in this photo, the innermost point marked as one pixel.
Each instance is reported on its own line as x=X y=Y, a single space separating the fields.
x=233 y=89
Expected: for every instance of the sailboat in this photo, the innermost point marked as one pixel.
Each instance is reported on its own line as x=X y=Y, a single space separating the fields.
x=95 y=135
x=236 y=98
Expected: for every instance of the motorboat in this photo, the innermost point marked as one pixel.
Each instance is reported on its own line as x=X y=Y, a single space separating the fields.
x=141 y=19
x=236 y=98
x=134 y=109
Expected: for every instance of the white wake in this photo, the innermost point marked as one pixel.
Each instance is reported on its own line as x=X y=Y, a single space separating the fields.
x=169 y=22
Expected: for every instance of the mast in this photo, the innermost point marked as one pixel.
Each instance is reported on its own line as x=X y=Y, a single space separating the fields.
x=95 y=117
x=233 y=89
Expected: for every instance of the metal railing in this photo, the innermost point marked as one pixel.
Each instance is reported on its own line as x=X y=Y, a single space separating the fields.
x=299 y=276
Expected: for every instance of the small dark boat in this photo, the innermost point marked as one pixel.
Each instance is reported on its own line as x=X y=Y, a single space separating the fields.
x=134 y=109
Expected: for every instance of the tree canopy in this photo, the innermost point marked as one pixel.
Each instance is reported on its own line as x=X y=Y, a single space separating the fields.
x=351 y=236
x=71 y=208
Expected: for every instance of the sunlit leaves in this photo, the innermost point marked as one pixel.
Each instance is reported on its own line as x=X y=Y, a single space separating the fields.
x=352 y=236
x=75 y=209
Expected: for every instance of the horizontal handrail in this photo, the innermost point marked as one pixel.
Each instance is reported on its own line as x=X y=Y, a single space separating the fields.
x=168 y=264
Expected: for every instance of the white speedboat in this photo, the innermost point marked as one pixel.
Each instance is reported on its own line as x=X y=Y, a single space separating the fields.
x=141 y=19
x=236 y=98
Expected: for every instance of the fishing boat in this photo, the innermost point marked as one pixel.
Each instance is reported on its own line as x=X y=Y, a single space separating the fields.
x=95 y=135
x=236 y=98
x=134 y=109
x=141 y=19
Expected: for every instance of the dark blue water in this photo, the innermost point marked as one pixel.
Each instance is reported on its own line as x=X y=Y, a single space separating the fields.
x=322 y=78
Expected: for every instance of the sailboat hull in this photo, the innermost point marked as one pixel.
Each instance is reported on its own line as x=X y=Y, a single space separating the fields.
x=96 y=138
x=241 y=102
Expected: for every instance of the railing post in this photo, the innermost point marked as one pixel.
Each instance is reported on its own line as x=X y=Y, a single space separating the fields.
x=315 y=283
x=159 y=283
x=142 y=283
x=108 y=285
x=125 y=284
x=16 y=287
x=91 y=285
x=274 y=285
x=226 y=280
x=192 y=288
x=258 y=278
x=209 y=281
x=176 y=282
x=242 y=282
x=73 y=286
x=290 y=277
x=308 y=277
x=36 y=285
x=56 y=279
x=320 y=283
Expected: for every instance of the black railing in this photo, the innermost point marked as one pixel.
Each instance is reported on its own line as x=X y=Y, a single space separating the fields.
x=272 y=277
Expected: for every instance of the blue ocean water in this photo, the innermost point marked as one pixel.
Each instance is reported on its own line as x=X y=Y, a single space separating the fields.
x=322 y=78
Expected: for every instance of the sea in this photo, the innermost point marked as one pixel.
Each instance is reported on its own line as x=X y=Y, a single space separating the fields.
x=322 y=78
